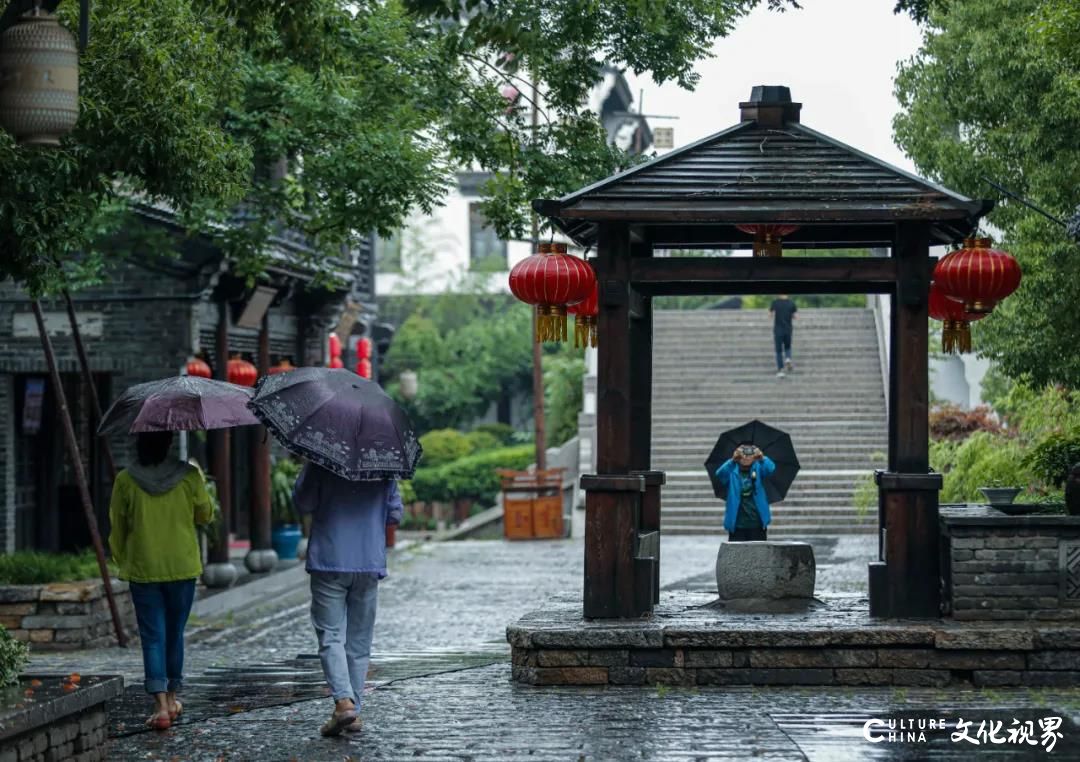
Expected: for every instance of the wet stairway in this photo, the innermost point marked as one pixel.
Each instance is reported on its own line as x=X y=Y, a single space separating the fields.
x=715 y=369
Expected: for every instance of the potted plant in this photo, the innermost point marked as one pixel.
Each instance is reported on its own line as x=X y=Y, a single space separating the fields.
x=997 y=492
x=286 y=534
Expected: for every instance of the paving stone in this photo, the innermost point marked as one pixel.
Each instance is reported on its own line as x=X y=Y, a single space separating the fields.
x=986 y=639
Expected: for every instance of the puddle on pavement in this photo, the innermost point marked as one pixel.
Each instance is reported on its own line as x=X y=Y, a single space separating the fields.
x=224 y=691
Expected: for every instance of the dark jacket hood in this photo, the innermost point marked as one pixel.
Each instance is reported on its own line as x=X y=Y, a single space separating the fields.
x=159 y=479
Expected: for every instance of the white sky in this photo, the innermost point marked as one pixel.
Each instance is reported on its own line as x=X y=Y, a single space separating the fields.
x=838 y=57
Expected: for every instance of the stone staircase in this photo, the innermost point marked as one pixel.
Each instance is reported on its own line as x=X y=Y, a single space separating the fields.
x=715 y=369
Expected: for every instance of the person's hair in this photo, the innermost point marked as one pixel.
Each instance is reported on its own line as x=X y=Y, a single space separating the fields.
x=152 y=447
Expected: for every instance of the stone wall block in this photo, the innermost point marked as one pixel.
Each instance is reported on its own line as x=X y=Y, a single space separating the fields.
x=562 y=658
x=992 y=678
x=863 y=676
x=711 y=658
x=930 y=678
x=571 y=676
x=626 y=675
x=669 y=676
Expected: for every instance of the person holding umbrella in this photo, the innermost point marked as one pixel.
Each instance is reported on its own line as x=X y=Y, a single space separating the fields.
x=358 y=441
x=747 y=515
x=748 y=480
x=156 y=504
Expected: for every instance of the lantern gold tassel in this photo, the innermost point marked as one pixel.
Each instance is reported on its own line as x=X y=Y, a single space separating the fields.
x=767 y=245
x=584 y=332
x=956 y=337
x=550 y=324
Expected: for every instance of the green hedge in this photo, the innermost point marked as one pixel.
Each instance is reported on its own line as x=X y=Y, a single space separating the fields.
x=14 y=655
x=33 y=568
x=472 y=477
x=443 y=446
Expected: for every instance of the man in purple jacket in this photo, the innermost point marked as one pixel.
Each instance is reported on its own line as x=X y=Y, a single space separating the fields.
x=346 y=558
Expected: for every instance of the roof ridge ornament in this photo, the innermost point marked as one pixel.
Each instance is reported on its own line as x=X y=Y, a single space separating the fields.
x=770 y=106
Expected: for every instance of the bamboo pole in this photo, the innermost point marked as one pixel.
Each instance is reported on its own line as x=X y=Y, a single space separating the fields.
x=84 y=361
x=80 y=475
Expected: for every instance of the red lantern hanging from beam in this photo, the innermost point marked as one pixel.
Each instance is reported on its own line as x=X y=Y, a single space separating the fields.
x=956 y=321
x=552 y=280
x=767 y=238
x=198 y=367
x=241 y=372
x=586 y=314
x=977 y=275
x=282 y=367
x=363 y=348
x=363 y=368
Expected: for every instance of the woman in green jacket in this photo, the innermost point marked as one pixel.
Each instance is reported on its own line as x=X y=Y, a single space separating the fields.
x=155 y=506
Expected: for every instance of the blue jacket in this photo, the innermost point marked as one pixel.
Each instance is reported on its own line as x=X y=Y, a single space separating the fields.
x=728 y=476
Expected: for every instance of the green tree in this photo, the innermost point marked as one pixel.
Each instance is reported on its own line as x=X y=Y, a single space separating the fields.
x=994 y=91
x=149 y=126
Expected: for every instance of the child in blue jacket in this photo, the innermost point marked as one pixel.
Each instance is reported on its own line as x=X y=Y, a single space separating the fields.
x=747 y=515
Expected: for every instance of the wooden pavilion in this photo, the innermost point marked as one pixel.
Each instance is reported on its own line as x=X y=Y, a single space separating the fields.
x=767 y=169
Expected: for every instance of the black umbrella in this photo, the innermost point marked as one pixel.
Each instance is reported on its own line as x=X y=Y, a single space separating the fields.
x=773 y=442
x=340 y=421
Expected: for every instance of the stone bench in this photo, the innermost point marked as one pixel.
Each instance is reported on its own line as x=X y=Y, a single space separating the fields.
x=765 y=571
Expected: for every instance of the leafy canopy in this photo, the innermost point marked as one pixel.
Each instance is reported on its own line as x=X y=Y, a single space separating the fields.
x=994 y=91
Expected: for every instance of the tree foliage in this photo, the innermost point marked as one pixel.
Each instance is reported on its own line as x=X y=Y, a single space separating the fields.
x=994 y=92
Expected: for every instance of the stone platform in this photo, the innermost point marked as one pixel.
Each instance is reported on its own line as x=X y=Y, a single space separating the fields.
x=693 y=640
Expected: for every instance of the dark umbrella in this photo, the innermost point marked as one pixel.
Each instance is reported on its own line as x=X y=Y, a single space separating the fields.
x=773 y=442
x=340 y=421
x=179 y=403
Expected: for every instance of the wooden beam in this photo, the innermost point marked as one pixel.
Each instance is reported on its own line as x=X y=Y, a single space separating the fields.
x=741 y=275
x=831 y=236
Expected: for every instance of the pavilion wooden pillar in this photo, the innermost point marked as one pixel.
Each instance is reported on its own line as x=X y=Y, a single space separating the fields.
x=621 y=554
x=905 y=582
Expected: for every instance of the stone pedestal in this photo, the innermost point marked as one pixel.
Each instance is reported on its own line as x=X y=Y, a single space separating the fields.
x=258 y=561
x=765 y=571
x=219 y=575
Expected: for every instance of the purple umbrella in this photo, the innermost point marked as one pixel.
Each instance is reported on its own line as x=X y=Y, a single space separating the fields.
x=179 y=403
x=340 y=421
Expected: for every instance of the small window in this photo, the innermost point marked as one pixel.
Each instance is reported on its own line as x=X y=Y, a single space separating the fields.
x=388 y=253
x=487 y=252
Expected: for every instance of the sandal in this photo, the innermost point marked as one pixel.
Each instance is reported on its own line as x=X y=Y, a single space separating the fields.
x=159 y=721
x=338 y=722
x=176 y=711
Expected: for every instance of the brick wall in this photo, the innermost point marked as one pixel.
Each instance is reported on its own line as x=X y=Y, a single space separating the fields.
x=1012 y=568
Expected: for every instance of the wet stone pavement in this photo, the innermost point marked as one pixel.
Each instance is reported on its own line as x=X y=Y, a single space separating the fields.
x=440 y=683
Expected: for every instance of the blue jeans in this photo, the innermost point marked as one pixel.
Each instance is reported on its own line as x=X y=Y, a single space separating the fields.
x=783 y=348
x=343 y=612
x=161 y=609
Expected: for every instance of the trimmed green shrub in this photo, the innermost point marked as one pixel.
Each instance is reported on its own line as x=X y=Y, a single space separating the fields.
x=27 y=567
x=14 y=655
x=503 y=432
x=472 y=477
x=982 y=460
x=442 y=446
x=481 y=441
x=1053 y=457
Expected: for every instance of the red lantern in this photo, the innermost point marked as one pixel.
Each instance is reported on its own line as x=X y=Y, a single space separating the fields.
x=363 y=367
x=585 y=315
x=335 y=362
x=335 y=345
x=241 y=372
x=363 y=348
x=552 y=279
x=767 y=238
x=977 y=275
x=198 y=367
x=956 y=321
x=282 y=367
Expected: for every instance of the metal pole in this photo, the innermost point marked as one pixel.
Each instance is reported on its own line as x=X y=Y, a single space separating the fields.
x=80 y=475
x=84 y=361
x=538 y=368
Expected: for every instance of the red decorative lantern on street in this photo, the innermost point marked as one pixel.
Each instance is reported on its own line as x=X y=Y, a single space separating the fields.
x=241 y=372
x=198 y=367
x=955 y=321
x=282 y=367
x=335 y=345
x=363 y=368
x=335 y=362
x=552 y=280
x=363 y=348
x=977 y=275
x=767 y=238
x=586 y=314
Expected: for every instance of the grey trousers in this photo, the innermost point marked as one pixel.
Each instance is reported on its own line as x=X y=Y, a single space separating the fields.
x=343 y=612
